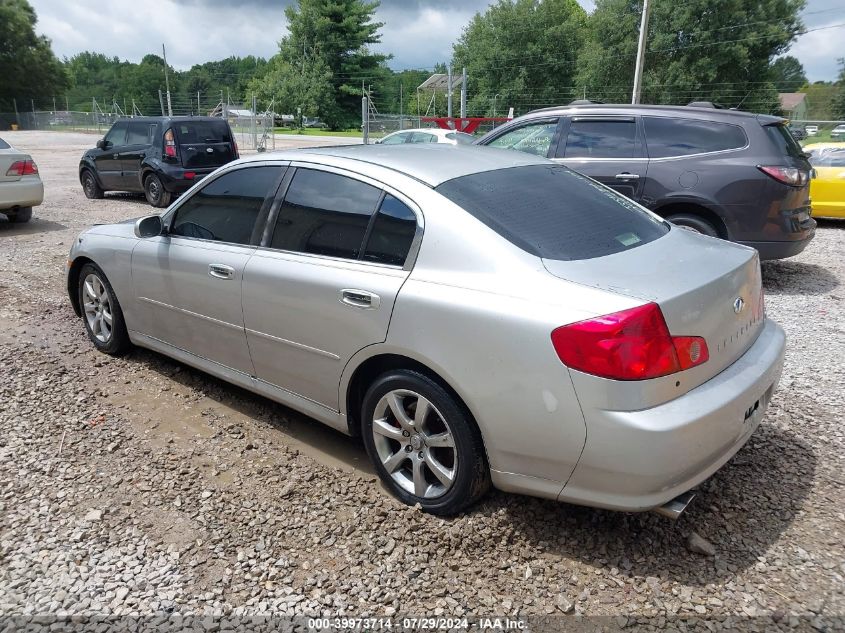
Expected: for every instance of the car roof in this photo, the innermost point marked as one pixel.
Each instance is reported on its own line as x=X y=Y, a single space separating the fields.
x=696 y=112
x=439 y=131
x=156 y=119
x=430 y=163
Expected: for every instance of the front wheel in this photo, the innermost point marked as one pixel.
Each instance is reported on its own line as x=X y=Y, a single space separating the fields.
x=101 y=312
x=155 y=192
x=90 y=187
x=424 y=446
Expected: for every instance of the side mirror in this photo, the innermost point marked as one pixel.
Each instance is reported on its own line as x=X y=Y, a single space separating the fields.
x=149 y=226
x=101 y=144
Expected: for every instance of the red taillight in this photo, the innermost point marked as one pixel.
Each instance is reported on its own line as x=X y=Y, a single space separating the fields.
x=190 y=175
x=23 y=168
x=787 y=175
x=169 y=144
x=632 y=344
x=235 y=143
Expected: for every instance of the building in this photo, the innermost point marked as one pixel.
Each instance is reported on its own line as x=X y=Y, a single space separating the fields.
x=794 y=105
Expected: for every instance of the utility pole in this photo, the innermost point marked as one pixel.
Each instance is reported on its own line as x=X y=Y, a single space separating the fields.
x=54 y=105
x=17 y=116
x=365 y=117
x=638 y=71
x=67 y=105
x=199 y=111
x=401 y=106
x=464 y=93
x=449 y=91
x=161 y=102
x=166 y=82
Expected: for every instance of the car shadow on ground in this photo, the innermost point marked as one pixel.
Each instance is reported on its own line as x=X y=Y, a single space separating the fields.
x=33 y=227
x=742 y=509
x=326 y=445
x=784 y=277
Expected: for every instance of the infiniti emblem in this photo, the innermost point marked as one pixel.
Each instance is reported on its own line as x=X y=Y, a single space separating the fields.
x=739 y=304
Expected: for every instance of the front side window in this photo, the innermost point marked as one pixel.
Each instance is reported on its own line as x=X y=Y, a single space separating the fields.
x=423 y=137
x=395 y=139
x=393 y=231
x=600 y=139
x=325 y=214
x=535 y=138
x=681 y=137
x=828 y=157
x=553 y=212
x=227 y=208
x=117 y=135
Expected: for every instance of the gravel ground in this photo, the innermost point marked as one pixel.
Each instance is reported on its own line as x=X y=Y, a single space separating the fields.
x=140 y=486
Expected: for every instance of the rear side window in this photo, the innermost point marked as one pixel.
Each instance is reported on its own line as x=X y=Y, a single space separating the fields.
x=227 y=208
x=216 y=131
x=553 y=212
x=325 y=214
x=681 y=137
x=3 y=144
x=601 y=139
x=786 y=143
x=393 y=231
x=140 y=134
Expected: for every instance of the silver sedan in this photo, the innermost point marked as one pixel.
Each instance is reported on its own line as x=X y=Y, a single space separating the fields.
x=20 y=185
x=478 y=316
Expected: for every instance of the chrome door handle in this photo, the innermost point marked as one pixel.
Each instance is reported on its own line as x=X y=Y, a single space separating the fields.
x=359 y=299
x=627 y=176
x=221 y=271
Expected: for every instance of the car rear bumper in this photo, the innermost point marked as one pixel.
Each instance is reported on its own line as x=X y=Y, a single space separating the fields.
x=639 y=460
x=26 y=192
x=174 y=179
x=781 y=250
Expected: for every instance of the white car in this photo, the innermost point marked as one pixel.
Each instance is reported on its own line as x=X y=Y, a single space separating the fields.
x=20 y=185
x=812 y=130
x=427 y=135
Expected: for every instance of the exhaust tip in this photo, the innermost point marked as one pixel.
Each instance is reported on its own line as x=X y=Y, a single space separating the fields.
x=675 y=508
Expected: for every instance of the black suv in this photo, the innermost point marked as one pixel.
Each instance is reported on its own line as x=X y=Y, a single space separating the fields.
x=725 y=173
x=160 y=156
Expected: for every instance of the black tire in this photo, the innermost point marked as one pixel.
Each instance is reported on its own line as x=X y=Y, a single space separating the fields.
x=20 y=215
x=693 y=222
x=471 y=475
x=155 y=192
x=118 y=342
x=90 y=186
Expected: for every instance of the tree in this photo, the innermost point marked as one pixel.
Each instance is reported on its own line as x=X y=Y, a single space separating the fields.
x=696 y=50
x=303 y=90
x=521 y=53
x=838 y=102
x=788 y=74
x=332 y=35
x=28 y=68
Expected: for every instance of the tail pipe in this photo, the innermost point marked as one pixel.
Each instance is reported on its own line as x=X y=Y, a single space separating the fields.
x=675 y=508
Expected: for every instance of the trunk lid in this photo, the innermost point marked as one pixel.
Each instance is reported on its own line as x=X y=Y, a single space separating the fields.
x=704 y=286
x=204 y=144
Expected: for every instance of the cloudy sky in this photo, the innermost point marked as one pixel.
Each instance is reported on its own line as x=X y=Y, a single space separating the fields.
x=419 y=33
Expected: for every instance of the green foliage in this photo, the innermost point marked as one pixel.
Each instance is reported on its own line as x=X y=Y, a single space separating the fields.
x=327 y=43
x=524 y=51
x=302 y=90
x=787 y=74
x=28 y=68
x=838 y=101
x=820 y=97
x=697 y=50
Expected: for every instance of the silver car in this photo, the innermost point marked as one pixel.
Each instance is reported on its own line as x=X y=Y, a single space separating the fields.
x=478 y=316
x=20 y=185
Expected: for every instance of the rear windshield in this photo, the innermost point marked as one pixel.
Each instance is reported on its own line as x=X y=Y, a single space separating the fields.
x=3 y=144
x=786 y=143
x=461 y=138
x=553 y=212
x=202 y=131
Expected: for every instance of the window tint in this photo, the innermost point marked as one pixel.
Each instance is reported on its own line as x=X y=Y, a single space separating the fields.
x=140 y=134
x=117 y=135
x=601 y=139
x=553 y=212
x=535 y=138
x=393 y=231
x=681 y=137
x=227 y=208
x=216 y=131
x=396 y=139
x=785 y=142
x=325 y=214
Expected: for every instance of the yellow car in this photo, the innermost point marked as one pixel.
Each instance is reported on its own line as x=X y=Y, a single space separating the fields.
x=827 y=189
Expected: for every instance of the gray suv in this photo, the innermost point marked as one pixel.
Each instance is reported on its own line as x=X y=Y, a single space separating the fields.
x=725 y=173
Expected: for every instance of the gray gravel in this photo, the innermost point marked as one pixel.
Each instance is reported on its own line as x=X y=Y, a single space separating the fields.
x=140 y=486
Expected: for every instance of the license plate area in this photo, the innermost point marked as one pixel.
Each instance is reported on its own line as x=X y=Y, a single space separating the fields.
x=756 y=409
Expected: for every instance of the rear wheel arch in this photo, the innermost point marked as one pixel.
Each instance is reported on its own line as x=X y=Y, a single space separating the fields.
x=695 y=209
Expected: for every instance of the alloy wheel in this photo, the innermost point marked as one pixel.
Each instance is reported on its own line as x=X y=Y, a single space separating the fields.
x=98 y=308
x=414 y=443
